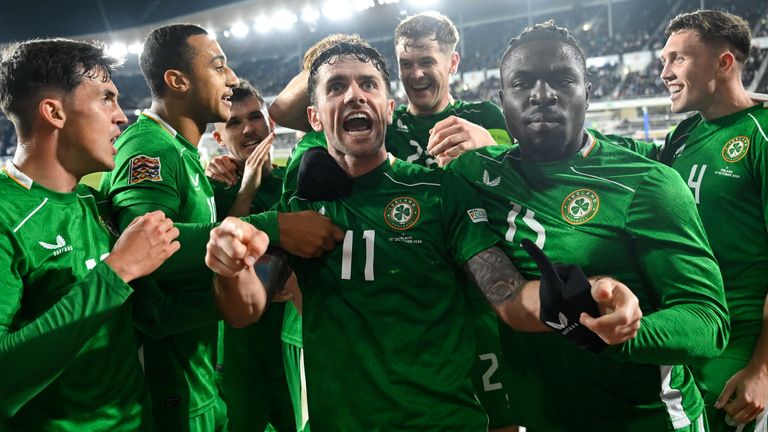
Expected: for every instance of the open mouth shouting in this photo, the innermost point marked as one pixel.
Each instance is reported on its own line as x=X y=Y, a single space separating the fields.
x=357 y=123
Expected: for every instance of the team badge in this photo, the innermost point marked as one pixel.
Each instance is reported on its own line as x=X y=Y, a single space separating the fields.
x=735 y=149
x=402 y=213
x=145 y=168
x=580 y=206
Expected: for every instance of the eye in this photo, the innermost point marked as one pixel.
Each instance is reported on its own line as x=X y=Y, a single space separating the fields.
x=233 y=123
x=369 y=85
x=335 y=87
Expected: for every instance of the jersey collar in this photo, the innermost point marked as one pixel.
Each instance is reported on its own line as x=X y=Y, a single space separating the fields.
x=588 y=146
x=159 y=120
x=19 y=177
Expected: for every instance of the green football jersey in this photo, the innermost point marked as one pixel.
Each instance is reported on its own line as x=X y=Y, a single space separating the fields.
x=408 y=135
x=158 y=169
x=387 y=345
x=67 y=346
x=724 y=163
x=250 y=358
x=611 y=212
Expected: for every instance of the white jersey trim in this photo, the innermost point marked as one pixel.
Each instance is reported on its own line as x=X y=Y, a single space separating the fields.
x=758 y=127
x=603 y=179
x=411 y=184
x=17 y=175
x=159 y=120
x=673 y=399
x=21 y=224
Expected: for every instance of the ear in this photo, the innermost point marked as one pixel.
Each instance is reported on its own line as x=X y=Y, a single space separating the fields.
x=314 y=118
x=501 y=96
x=390 y=110
x=52 y=112
x=455 y=59
x=725 y=63
x=588 y=89
x=176 y=80
x=272 y=124
x=217 y=137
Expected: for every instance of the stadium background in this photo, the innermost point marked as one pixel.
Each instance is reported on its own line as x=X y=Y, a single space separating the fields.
x=265 y=42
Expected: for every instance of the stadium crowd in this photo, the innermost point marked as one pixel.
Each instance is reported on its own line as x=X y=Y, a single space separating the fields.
x=435 y=258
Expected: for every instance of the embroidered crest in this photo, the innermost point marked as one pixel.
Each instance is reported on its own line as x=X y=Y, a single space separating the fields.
x=145 y=168
x=402 y=213
x=580 y=206
x=735 y=149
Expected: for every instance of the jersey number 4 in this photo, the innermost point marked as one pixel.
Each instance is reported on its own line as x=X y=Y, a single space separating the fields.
x=346 y=250
x=694 y=181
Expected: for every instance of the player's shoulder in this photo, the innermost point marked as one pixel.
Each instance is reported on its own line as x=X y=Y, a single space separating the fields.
x=413 y=174
x=494 y=154
x=477 y=110
x=145 y=136
x=759 y=116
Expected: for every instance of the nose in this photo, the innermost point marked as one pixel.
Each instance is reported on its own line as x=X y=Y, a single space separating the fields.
x=120 y=118
x=355 y=95
x=666 y=72
x=543 y=94
x=232 y=80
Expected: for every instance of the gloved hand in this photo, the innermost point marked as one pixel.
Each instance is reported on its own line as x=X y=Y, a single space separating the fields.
x=320 y=178
x=564 y=293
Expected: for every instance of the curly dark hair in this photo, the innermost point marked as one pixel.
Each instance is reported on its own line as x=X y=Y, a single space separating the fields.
x=550 y=31
x=361 y=50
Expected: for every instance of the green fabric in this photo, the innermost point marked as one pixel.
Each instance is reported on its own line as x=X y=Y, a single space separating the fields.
x=408 y=135
x=292 y=363
x=67 y=346
x=611 y=212
x=385 y=313
x=178 y=356
x=724 y=163
x=250 y=364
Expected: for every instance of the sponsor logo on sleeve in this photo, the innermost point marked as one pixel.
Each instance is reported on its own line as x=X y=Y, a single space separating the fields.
x=145 y=168
x=735 y=149
x=402 y=213
x=487 y=179
x=478 y=215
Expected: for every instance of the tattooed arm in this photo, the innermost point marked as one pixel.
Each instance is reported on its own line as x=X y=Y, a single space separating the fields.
x=516 y=300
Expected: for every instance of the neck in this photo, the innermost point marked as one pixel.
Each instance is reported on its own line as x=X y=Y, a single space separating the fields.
x=355 y=166
x=539 y=152
x=175 y=114
x=40 y=161
x=448 y=100
x=729 y=98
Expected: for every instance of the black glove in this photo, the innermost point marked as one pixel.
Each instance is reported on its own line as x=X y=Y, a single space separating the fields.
x=564 y=293
x=321 y=178
x=273 y=271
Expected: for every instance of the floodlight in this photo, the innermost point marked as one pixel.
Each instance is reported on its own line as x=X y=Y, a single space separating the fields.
x=211 y=33
x=284 y=20
x=363 y=4
x=262 y=24
x=337 y=9
x=239 y=30
x=422 y=3
x=310 y=15
x=386 y=2
x=117 y=50
x=135 y=48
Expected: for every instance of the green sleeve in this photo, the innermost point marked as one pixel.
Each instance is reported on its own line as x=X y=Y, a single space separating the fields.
x=495 y=124
x=466 y=228
x=34 y=354
x=159 y=313
x=648 y=149
x=225 y=196
x=690 y=321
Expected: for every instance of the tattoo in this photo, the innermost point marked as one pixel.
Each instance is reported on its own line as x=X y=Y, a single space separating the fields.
x=495 y=275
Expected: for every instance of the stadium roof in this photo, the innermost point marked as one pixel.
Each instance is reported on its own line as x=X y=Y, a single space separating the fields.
x=21 y=20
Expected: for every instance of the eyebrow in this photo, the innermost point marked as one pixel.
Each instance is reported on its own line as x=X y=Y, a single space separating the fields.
x=221 y=57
